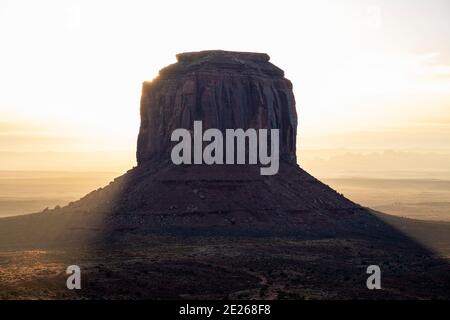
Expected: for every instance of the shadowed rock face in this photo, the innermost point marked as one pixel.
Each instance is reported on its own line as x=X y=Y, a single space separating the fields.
x=223 y=89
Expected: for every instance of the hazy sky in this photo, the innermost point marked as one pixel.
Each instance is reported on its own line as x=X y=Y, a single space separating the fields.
x=366 y=74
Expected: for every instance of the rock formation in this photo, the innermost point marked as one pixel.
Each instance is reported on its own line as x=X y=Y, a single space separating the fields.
x=223 y=89
x=218 y=231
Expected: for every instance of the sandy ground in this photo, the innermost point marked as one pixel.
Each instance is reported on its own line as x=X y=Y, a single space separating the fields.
x=165 y=268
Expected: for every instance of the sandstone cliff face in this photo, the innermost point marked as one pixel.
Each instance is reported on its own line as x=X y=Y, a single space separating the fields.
x=223 y=89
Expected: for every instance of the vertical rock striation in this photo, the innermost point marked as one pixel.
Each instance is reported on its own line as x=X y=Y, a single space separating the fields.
x=223 y=89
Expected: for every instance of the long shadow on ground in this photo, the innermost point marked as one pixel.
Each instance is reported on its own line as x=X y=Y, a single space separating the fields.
x=203 y=232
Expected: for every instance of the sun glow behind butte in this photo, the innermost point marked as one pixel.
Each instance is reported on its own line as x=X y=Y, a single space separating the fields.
x=71 y=71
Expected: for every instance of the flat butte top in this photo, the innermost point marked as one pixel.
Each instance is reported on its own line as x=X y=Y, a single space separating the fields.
x=219 y=61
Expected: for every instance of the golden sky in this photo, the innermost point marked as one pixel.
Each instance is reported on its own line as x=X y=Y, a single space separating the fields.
x=366 y=73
